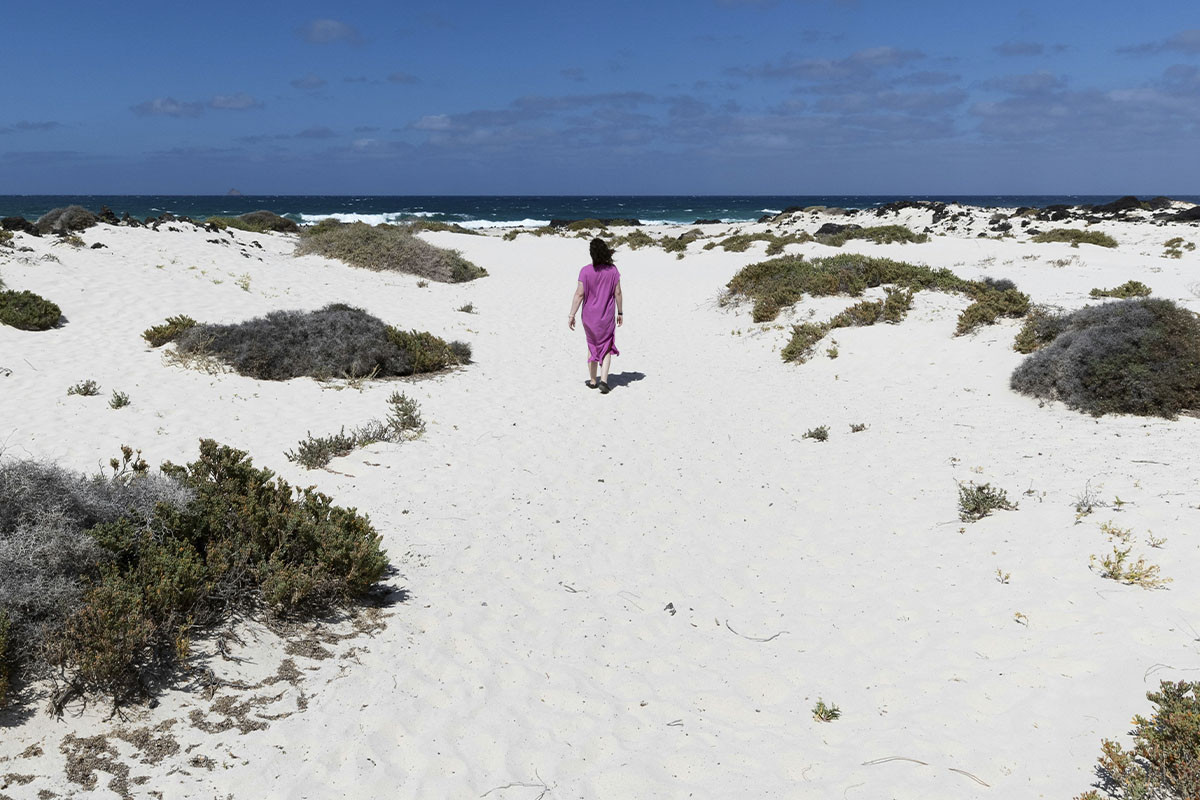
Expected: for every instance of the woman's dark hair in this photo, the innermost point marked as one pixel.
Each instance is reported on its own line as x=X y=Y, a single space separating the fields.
x=601 y=254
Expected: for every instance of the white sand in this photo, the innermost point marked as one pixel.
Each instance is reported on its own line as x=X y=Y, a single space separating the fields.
x=542 y=529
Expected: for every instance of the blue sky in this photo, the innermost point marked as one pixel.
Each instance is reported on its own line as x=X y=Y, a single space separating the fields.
x=672 y=97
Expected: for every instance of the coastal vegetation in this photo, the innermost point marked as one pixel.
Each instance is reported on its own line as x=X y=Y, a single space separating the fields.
x=976 y=501
x=255 y=222
x=1137 y=356
x=402 y=423
x=65 y=220
x=105 y=580
x=772 y=285
x=386 y=248
x=1075 y=237
x=879 y=234
x=337 y=341
x=1174 y=247
x=1125 y=290
x=1164 y=761
x=27 y=311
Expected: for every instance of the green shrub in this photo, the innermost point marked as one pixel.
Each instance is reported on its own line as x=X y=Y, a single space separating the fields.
x=256 y=222
x=86 y=388
x=880 y=234
x=28 y=311
x=585 y=225
x=976 y=501
x=427 y=352
x=990 y=307
x=679 y=244
x=1042 y=324
x=337 y=341
x=119 y=400
x=403 y=423
x=6 y=240
x=804 y=338
x=635 y=240
x=65 y=220
x=1137 y=356
x=1165 y=759
x=819 y=433
x=1075 y=237
x=418 y=225
x=1125 y=290
x=385 y=248
x=169 y=331
x=5 y=626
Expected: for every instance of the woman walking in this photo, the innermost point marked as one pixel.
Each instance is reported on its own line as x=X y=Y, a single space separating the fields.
x=599 y=291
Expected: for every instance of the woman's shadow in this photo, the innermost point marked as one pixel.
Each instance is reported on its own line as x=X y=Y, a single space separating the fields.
x=616 y=379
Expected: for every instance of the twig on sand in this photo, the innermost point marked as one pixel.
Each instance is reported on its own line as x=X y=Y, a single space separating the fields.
x=893 y=758
x=753 y=638
x=546 y=789
x=969 y=775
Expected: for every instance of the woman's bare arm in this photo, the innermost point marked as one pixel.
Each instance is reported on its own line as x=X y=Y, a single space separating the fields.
x=620 y=304
x=575 y=302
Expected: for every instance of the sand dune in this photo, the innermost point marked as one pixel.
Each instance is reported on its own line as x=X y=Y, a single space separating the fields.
x=643 y=595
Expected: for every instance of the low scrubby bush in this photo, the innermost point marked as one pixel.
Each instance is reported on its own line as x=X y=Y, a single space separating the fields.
x=976 y=501
x=256 y=222
x=1125 y=290
x=337 y=341
x=85 y=388
x=989 y=307
x=1138 y=356
x=6 y=240
x=169 y=331
x=386 y=247
x=1165 y=759
x=418 y=225
x=1075 y=237
x=880 y=234
x=28 y=311
x=106 y=578
x=65 y=220
x=403 y=422
x=1042 y=324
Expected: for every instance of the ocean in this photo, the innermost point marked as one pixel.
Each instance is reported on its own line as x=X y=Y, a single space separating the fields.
x=504 y=211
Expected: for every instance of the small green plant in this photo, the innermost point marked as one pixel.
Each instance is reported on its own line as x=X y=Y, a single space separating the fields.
x=1075 y=237
x=169 y=331
x=86 y=388
x=857 y=427
x=1119 y=567
x=402 y=424
x=820 y=433
x=1165 y=759
x=27 y=311
x=469 y=308
x=989 y=307
x=1087 y=501
x=6 y=238
x=976 y=501
x=832 y=352
x=243 y=282
x=422 y=284
x=1176 y=246
x=825 y=713
x=1155 y=541
x=1122 y=535
x=1002 y=576
x=73 y=240
x=1127 y=289
x=1021 y=619
x=119 y=400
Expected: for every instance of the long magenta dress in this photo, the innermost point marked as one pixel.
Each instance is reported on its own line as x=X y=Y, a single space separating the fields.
x=600 y=309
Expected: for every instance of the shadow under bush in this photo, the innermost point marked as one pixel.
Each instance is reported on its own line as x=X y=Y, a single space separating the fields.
x=121 y=595
x=337 y=341
x=1138 y=356
x=386 y=247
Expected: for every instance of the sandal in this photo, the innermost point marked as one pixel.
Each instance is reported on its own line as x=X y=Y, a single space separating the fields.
x=591 y=384
x=604 y=387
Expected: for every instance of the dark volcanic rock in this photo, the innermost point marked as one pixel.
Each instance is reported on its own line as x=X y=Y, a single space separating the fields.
x=1159 y=203
x=1120 y=205
x=19 y=224
x=708 y=222
x=899 y=205
x=98 y=245
x=1189 y=214
x=832 y=228
x=106 y=215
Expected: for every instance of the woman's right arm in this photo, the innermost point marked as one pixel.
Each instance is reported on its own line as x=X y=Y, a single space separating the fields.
x=575 y=302
x=620 y=298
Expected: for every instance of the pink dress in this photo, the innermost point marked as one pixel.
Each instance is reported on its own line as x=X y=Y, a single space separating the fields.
x=600 y=309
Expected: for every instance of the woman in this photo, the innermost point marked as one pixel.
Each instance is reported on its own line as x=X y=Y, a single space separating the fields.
x=599 y=291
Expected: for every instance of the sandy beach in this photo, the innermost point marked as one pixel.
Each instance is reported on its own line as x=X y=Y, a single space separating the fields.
x=642 y=594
